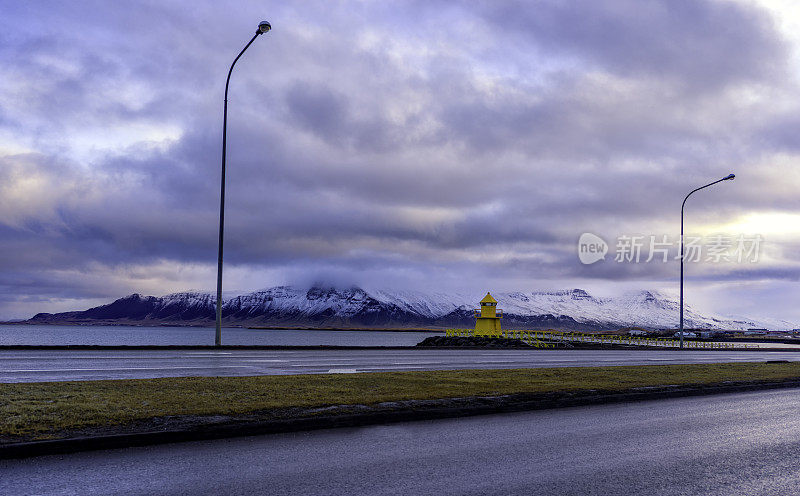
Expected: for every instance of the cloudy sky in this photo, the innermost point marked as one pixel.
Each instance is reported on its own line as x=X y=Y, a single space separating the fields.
x=428 y=145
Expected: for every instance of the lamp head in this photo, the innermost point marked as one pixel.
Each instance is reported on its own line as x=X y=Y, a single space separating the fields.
x=263 y=27
x=729 y=176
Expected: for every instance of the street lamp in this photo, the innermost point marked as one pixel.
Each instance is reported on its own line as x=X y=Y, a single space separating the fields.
x=263 y=27
x=729 y=176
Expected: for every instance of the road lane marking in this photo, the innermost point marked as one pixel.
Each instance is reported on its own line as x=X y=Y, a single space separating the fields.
x=312 y=365
x=389 y=367
x=415 y=363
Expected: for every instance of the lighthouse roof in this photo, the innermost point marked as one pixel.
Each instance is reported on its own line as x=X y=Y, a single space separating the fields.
x=488 y=299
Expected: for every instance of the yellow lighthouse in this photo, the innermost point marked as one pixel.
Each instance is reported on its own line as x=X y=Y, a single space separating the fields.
x=487 y=321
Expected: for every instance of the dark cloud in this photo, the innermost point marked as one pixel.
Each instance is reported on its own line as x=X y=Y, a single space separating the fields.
x=705 y=45
x=475 y=142
x=782 y=133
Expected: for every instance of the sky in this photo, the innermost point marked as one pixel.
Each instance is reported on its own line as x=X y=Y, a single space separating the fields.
x=423 y=145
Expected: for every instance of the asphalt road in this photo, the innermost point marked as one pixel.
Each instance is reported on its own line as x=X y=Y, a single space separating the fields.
x=71 y=365
x=736 y=444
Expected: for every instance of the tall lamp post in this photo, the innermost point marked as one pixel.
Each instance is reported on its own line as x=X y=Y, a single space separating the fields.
x=263 y=27
x=729 y=176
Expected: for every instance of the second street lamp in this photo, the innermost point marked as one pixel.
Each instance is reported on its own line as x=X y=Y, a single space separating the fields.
x=263 y=27
x=729 y=176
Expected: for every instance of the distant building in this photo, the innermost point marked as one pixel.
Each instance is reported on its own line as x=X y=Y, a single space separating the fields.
x=686 y=334
x=636 y=332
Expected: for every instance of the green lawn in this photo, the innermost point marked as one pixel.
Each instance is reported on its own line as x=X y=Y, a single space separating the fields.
x=43 y=409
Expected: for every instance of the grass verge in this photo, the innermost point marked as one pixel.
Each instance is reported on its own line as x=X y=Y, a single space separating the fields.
x=45 y=410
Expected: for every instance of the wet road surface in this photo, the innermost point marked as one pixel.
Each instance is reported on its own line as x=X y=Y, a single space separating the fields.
x=73 y=365
x=735 y=444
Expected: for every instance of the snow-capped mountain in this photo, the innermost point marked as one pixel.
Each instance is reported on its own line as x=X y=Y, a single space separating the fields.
x=328 y=307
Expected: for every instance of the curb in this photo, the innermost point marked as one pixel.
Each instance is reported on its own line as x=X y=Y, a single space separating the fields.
x=407 y=411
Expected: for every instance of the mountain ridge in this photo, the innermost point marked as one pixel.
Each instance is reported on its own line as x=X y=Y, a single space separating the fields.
x=573 y=309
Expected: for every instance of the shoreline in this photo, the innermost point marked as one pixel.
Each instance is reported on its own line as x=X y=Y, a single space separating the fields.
x=211 y=326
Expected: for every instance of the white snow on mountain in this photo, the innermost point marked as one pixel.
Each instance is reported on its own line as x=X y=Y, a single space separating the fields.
x=293 y=301
x=189 y=299
x=648 y=309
